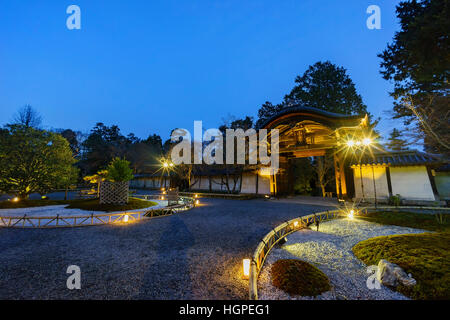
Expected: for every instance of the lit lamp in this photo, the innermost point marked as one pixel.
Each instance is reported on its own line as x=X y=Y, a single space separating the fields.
x=162 y=198
x=351 y=214
x=165 y=165
x=197 y=202
x=125 y=218
x=246 y=268
x=367 y=141
x=196 y=196
x=350 y=143
x=15 y=199
x=295 y=223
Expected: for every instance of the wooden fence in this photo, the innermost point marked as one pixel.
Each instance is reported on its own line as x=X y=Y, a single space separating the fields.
x=184 y=203
x=272 y=238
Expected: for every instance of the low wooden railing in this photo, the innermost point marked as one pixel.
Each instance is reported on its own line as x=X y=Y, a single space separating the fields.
x=271 y=239
x=58 y=221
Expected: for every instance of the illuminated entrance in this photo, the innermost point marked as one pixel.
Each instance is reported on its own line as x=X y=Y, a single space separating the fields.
x=308 y=132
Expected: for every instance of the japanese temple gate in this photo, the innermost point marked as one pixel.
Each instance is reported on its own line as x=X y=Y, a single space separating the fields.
x=308 y=132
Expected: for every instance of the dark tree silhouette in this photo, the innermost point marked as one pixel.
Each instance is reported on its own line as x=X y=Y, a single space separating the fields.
x=28 y=117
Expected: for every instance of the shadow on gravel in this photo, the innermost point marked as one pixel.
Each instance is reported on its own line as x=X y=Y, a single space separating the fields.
x=168 y=277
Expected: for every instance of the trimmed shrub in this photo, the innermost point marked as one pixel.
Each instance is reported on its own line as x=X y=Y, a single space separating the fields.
x=298 y=277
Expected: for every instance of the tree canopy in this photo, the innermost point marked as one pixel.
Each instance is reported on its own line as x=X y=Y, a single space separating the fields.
x=33 y=160
x=119 y=170
x=324 y=86
x=105 y=143
x=418 y=62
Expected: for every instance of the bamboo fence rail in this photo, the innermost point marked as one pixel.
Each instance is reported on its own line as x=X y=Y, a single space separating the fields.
x=272 y=238
x=58 y=221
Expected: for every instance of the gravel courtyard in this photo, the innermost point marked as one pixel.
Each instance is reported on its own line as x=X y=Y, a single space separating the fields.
x=192 y=255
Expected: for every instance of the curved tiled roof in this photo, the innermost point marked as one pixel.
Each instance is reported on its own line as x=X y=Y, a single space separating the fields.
x=355 y=119
x=399 y=158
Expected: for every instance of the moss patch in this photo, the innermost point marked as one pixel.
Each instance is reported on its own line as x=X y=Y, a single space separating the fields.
x=298 y=277
x=408 y=219
x=94 y=205
x=426 y=256
x=84 y=204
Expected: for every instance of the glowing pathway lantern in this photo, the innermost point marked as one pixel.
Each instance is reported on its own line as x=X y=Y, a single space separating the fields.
x=246 y=268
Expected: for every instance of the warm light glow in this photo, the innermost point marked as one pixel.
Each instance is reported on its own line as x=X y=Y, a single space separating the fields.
x=350 y=143
x=295 y=223
x=367 y=141
x=267 y=196
x=162 y=198
x=125 y=218
x=358 y=143
x=197 y=201
x=265 y=171
x=246 y=265
x=196 y=196
x=162 y=189
x=171 y=164
x=164 y=192
x=15 y=199
x=351 y=214
x=165 y=165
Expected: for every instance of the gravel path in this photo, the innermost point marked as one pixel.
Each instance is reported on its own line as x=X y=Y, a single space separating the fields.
x=52 y=211
x=331 y=251
x=196 y=254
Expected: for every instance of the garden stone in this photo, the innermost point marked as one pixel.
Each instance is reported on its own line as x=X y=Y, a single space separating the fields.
x=390 y=274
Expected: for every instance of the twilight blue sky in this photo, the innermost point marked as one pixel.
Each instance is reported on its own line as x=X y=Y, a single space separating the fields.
x=151 y=66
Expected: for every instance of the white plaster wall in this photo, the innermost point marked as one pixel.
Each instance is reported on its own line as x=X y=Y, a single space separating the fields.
x=248 y=183
x=411 y=183
x=204 y=184
x=381 y=185
x=197 y=184
x=264 y=185
x=216 y=183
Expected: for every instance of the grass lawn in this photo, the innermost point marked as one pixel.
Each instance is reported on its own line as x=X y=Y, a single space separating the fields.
x=84 y=204
x=426 y=256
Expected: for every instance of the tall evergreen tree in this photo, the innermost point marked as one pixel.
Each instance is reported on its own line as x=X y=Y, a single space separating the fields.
x=328 y=87
x=418 y=62
x=395 y=142
x=324 y=86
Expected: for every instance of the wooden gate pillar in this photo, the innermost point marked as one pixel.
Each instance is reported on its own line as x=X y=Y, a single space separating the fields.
x=339 y=170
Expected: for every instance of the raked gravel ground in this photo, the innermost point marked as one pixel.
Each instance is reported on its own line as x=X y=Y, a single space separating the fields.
x=330 y=250
x=196 y=254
